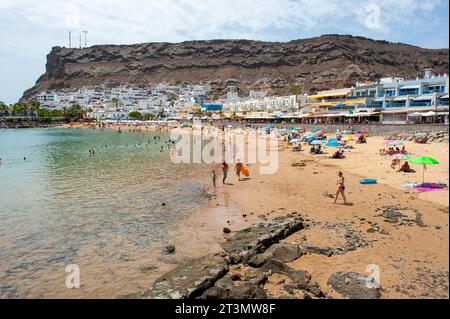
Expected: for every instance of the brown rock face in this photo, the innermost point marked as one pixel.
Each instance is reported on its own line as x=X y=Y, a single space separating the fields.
x=319 y=63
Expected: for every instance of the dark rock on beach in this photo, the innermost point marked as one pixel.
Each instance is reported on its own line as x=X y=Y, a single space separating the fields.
x=188 y=280
x=226 y=288
x=354 y=285
x=254 y=240
x=283 y=251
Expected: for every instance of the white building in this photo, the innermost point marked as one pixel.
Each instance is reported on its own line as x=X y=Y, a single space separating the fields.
x=267 y=104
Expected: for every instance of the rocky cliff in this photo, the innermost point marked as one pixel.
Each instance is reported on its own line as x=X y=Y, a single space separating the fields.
x=318 y=63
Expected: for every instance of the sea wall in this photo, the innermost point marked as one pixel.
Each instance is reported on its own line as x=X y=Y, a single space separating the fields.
x=28 y=122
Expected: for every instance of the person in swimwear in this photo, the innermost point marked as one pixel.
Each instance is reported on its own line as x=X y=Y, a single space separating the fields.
x=340 y=182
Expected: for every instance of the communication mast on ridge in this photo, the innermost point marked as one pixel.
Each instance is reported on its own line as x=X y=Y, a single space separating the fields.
x=80 y=40
x=85 y=38
x=70 y=39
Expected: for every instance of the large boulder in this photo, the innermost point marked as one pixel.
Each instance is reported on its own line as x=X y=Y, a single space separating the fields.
x=300 y=277
x=226 y=288
x=247 y=243
x=282 y=251
x=353 y=285
x=188 y=280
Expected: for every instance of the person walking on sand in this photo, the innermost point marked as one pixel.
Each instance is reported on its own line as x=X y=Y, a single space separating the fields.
x=238 y=169
x=224 y=171
x=341 y=188
x=214 y=177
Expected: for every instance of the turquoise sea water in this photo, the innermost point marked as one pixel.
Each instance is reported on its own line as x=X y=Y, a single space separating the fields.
x=61 y=205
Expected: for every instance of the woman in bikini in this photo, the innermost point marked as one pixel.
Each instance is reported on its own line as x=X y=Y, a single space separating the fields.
x=341 y=188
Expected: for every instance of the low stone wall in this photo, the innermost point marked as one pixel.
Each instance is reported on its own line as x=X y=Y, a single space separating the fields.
x=23 y=122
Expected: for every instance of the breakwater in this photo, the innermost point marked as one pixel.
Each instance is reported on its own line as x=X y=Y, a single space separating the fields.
x=29 y=122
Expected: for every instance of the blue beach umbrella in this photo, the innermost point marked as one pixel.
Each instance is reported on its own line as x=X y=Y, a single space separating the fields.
x=332 y=143
x=295 y=140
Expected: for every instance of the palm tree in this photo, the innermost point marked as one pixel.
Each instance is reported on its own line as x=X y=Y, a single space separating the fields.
x=3 y=108
x=19 y=109
x=35 y=105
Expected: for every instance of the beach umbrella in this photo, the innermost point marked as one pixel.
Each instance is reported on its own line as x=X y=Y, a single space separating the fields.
x=295 y=140
x=332 y=143
x=406 y=157
x=269 y=126
x=293 y=131
x=347 y=138
x=386 y=142
x=316 y=142
x=395 y=143
x=423 y=160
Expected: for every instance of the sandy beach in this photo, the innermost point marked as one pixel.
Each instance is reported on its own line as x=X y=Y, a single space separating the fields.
x=412 y=255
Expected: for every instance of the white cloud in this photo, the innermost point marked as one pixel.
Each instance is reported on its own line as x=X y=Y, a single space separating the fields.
x=30 y=27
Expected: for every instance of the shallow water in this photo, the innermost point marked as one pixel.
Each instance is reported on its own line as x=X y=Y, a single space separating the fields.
x=103 y=212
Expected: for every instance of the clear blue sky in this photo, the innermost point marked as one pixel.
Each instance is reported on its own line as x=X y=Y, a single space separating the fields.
x=31 y=28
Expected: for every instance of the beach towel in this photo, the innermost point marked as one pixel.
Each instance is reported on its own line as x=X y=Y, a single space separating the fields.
x=428 y=189
x=367 y=181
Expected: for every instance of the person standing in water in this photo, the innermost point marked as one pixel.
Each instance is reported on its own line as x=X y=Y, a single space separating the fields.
x=214 y=177
x=224 y=171
x=340 y=182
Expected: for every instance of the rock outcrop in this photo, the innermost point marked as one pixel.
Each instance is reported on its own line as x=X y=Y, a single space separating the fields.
x=354 y=286
x=319 y=63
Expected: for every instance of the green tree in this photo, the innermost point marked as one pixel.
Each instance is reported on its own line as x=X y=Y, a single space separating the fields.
x=20 y=109
x=161 y=115
x=115 y=101
x=135 y=115
x=35 y=105
x=209 y=114
x=295 y=89
x=149 y=116
x=75 y=112
x=3 y=108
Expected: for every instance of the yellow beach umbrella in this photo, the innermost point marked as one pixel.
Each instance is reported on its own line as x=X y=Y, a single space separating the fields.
x=347 y=138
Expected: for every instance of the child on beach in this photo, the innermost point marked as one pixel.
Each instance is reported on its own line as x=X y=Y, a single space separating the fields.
x=214 y=177
x=224 y=171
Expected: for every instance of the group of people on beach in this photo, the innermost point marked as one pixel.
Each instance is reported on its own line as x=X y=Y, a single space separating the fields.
x=225 y=167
